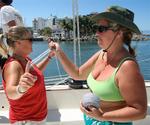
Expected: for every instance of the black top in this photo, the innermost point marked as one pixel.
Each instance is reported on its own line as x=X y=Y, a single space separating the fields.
x=2 y=61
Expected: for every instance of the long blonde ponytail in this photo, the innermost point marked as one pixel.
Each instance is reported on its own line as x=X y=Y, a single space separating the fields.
x=3 y=47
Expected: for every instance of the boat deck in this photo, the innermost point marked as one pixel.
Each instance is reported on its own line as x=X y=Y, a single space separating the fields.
x=63 y=106
x=70 y=121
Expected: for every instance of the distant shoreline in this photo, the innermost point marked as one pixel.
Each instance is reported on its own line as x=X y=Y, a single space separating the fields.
x=142 y=37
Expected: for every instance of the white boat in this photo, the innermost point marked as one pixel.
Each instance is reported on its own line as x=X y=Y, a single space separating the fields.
x=63 y=106
x=63 y=101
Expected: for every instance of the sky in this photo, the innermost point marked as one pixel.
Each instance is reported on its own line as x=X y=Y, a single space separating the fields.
x=30 y=9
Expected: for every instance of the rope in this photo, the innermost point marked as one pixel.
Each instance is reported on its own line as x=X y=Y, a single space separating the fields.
x=38 y=58
x=60 y=76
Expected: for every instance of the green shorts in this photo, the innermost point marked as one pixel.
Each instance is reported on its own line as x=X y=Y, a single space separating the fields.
x=90 y=121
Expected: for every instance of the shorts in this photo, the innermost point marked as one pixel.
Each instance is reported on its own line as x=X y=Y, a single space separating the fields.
x=28 y=122
x=91 y=121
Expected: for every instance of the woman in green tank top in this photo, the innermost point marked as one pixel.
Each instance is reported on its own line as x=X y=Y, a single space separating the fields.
x=113 y=73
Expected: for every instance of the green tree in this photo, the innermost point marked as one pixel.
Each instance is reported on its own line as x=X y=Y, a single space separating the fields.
x=47 y=31
x=67 y=25
x=86 y=24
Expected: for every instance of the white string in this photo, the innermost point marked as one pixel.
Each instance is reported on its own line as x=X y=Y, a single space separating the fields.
x=60 y=76
x=41 y=56
x=38 y=58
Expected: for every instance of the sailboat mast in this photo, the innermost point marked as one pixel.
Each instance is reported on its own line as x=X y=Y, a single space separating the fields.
x=78 y=32
x=74 y=32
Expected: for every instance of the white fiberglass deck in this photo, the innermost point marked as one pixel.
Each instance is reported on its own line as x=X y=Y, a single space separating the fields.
x=63 y=106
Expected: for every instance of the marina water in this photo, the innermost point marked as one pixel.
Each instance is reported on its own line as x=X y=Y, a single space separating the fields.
x=88 y=48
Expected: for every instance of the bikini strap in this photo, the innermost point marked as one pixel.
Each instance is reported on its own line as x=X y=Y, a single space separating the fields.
x=122 y=61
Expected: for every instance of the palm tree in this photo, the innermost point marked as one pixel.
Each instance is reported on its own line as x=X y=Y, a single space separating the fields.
x=67 y=25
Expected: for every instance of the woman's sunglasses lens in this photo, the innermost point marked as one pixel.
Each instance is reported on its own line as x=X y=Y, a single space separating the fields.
x=102 y=28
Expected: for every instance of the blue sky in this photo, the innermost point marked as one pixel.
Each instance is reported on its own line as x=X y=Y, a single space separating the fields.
x=30 y=9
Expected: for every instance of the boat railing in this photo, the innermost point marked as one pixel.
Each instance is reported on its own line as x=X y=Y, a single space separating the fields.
x=67 y=80
x=51 y=81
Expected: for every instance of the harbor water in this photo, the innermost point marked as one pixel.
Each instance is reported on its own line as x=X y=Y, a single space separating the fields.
x=88 y=48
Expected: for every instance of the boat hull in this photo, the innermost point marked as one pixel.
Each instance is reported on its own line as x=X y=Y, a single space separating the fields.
x=63 y=106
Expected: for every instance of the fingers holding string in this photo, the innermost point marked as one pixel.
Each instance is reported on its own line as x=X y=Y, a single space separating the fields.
x=27 y=80
x=28 y=77
x=54 y=46
x=53 y=43
x=28 y=66
x=50 y=40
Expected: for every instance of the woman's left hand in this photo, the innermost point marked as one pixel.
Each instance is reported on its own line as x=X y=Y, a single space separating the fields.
x=92 y=112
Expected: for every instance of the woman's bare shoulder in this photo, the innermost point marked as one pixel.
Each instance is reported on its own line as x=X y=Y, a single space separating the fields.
x=13 y=66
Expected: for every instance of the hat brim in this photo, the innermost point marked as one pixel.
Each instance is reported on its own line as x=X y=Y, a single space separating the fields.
x=117 y=19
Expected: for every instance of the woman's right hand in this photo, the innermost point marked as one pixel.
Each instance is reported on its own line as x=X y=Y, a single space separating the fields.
x=92 y=112
x=27 y=80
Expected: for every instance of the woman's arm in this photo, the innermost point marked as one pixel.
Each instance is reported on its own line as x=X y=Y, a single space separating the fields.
x=78 y=73
x=42 y=65
x=132 y=88
x=16 y=80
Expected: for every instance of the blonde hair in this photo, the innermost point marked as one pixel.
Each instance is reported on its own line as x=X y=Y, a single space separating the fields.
x=3 y=47
x=15 y=33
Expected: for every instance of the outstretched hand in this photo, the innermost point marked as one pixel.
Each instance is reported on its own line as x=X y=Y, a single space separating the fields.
x=54 y=46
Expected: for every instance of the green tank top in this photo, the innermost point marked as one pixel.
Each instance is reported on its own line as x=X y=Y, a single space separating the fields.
x=107 y=90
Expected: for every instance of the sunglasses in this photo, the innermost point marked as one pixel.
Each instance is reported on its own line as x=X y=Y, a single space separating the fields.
x=102 y=29
x=29 y=39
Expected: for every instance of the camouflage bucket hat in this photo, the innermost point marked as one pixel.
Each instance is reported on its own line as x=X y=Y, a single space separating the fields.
x=119 y=15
